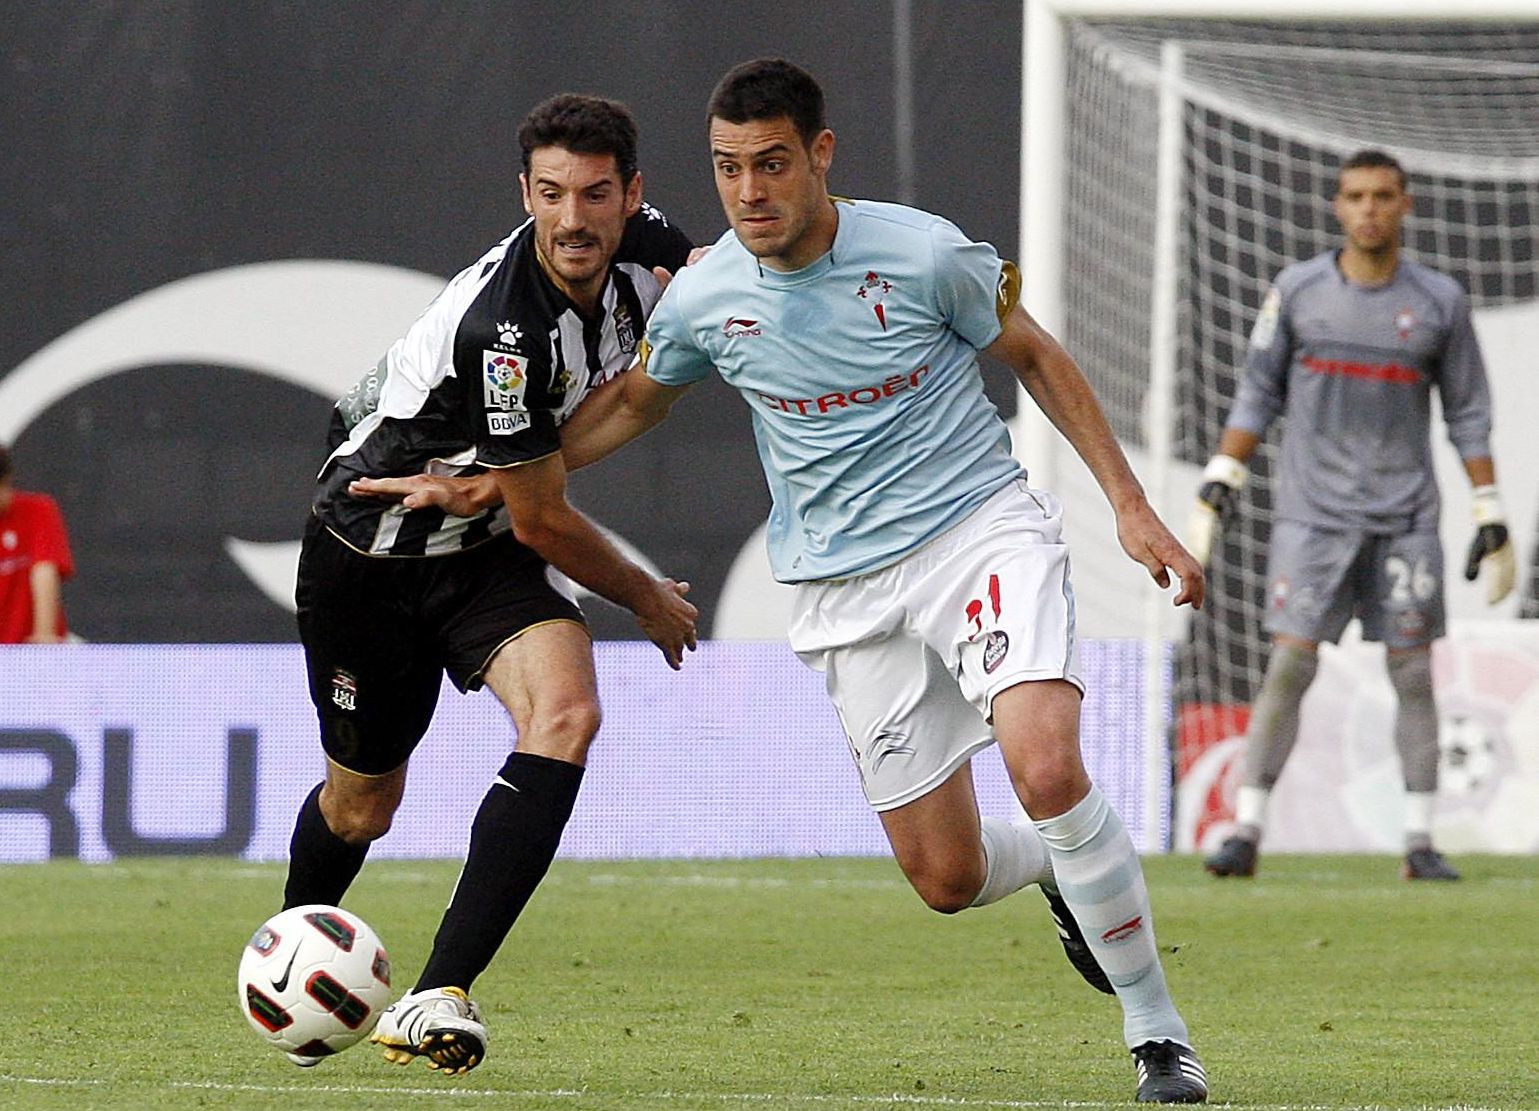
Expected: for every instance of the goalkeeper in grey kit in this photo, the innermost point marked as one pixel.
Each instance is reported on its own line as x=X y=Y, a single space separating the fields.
x=1350 y=345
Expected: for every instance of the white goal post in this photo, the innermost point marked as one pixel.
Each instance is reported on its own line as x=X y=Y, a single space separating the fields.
x=1047 y=255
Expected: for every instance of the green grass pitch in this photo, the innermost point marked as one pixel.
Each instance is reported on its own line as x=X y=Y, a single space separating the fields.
x=1327 y=982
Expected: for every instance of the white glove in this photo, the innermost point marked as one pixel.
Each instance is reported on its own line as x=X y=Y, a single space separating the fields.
x=1491 y=544
x=1221 y=481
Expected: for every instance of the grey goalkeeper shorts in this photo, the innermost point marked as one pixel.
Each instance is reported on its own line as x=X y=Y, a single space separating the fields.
x=1319 y=579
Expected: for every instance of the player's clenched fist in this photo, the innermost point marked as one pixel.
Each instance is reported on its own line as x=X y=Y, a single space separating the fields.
x=1491 y=544
x=1221 y=481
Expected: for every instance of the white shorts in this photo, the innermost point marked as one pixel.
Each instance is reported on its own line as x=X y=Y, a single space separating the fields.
x=916 y=652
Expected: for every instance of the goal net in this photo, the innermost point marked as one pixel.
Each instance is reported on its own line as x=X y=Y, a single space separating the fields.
x=1259 y=116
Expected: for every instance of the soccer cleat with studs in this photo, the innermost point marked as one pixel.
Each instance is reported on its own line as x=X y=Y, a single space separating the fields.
x=1235 y=857
x=1075 y=947
x=441 y=1025
x=1427 y=864
x=1169 y=1072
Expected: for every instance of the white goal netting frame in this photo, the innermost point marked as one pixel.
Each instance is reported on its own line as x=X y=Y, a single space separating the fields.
x=1171 y=164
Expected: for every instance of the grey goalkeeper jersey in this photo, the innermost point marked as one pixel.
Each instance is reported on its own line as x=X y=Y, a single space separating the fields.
x=1354 y=367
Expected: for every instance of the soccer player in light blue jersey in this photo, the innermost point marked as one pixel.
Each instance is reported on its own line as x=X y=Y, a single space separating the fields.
x=1351 y=344
x=932 y=580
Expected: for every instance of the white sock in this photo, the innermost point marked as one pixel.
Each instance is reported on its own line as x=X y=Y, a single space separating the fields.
x=1015 y=857
x=1418 y=818
x=1250 y=809
x=1098 y=874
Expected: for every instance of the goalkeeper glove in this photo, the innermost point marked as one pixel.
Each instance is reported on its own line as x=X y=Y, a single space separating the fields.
x=1221 y=480
x=1492 y=544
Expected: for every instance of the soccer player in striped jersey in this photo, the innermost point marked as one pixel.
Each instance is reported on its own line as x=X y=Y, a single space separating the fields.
x=393 y=595
x=1350 y=345
x=932 y=580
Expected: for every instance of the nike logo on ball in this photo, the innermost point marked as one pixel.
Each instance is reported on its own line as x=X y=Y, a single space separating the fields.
x=281 y=984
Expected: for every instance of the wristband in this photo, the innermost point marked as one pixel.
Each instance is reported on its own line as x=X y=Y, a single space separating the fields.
x=1230 y=471
x=1487 y=506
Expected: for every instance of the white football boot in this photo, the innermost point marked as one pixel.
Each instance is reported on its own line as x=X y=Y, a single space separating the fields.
x=439 y=1024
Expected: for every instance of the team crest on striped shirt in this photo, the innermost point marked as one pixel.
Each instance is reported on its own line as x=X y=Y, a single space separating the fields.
x=625 y=328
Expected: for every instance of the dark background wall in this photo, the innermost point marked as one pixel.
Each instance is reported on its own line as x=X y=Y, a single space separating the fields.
x=151 y=141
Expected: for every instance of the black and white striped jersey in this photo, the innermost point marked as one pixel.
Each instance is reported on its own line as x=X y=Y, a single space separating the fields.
x=484 y=378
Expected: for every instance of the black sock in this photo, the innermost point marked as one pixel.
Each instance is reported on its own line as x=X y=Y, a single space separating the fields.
x=512 y=843
x=321 y=864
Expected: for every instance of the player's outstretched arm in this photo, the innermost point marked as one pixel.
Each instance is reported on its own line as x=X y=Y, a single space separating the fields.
x=615 y=414
x=1060 y=389
x=544 y=520
x=609 y=418
x=455 y=495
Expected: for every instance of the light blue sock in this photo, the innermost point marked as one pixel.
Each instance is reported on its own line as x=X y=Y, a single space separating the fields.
x=1098 y=874
x=1016 y=858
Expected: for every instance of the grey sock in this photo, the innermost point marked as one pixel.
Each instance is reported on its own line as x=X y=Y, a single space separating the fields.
x=1415 y=718
x=1274 y=719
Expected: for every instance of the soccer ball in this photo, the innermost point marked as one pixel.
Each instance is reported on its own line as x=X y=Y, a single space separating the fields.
x=313 y=980
x=1471 y=758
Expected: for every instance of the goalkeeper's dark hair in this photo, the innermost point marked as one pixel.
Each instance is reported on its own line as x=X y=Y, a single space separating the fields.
x=767 y=89
x=1373 y=159
x=582 y=125
x=7 y=466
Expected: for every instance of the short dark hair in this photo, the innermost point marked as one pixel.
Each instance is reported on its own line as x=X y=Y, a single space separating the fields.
x=767 y=89
x=1373 y=159
x=7 y=466
x=583 y=125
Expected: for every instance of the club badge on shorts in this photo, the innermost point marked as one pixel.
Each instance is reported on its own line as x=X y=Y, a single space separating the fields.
x=994 y=650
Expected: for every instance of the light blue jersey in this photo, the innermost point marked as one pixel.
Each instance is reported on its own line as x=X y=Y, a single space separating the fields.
x=861 y=371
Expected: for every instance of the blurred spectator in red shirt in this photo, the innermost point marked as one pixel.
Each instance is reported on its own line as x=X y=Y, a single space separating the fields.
x=34 y=562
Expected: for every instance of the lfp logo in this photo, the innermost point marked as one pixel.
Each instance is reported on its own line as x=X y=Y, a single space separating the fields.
x=505 y=380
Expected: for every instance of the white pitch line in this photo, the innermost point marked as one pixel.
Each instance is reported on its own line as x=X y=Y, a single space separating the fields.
x=896 y=1099
x=697 y=879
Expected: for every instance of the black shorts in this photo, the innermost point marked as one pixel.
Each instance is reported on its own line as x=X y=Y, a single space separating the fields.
x=381 y=631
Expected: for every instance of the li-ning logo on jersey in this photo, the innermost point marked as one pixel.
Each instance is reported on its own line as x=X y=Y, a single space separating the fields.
x=508 y=335
x=740 y=326
x=873 y=290
x=504 y=379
